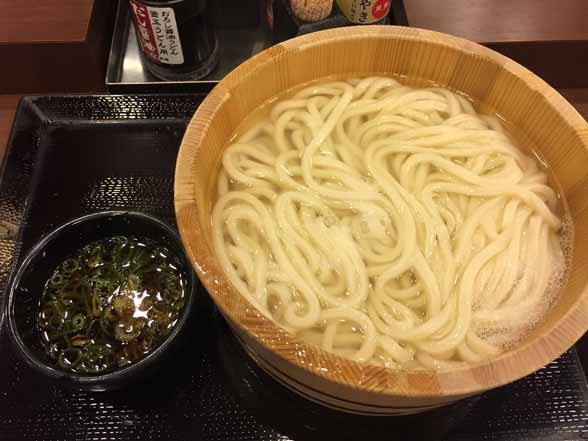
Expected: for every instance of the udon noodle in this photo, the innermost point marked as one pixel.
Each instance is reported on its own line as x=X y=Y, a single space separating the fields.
x=389 y=224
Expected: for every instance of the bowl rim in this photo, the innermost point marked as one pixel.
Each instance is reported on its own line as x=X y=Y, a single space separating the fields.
x=118 y=375
x=466 y=380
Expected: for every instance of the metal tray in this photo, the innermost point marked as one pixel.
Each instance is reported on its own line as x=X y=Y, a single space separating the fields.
x=72 y=155
x=242 y=33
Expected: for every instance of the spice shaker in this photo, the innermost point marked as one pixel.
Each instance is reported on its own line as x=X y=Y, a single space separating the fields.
x=311 y=10
x=177 y=37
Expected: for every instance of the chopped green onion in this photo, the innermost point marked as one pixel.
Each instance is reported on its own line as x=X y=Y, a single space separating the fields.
x=110 y=304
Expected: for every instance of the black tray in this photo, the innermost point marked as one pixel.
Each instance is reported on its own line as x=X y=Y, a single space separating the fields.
x=73 y=155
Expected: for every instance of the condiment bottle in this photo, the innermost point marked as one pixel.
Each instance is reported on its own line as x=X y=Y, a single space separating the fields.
x=177 y=38
x=365 y=11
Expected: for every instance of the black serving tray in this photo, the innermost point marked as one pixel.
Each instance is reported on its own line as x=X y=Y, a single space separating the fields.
x=72 y=155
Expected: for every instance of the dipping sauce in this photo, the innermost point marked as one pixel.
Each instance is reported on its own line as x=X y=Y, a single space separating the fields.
x=110 y=304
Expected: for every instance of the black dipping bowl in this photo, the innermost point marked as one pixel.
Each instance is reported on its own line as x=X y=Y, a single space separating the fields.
x=27 y=287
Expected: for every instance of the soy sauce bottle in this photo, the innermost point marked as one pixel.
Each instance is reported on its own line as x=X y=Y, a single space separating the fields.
x=177 y=37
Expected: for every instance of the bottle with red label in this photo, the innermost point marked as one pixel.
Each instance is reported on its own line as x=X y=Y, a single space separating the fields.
x=365 y=11
x=177 y=37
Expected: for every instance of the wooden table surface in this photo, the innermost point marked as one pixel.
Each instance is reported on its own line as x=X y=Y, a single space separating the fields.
x=547 y=36
x=500 y=21
x=52 y=20
x=54 y=46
